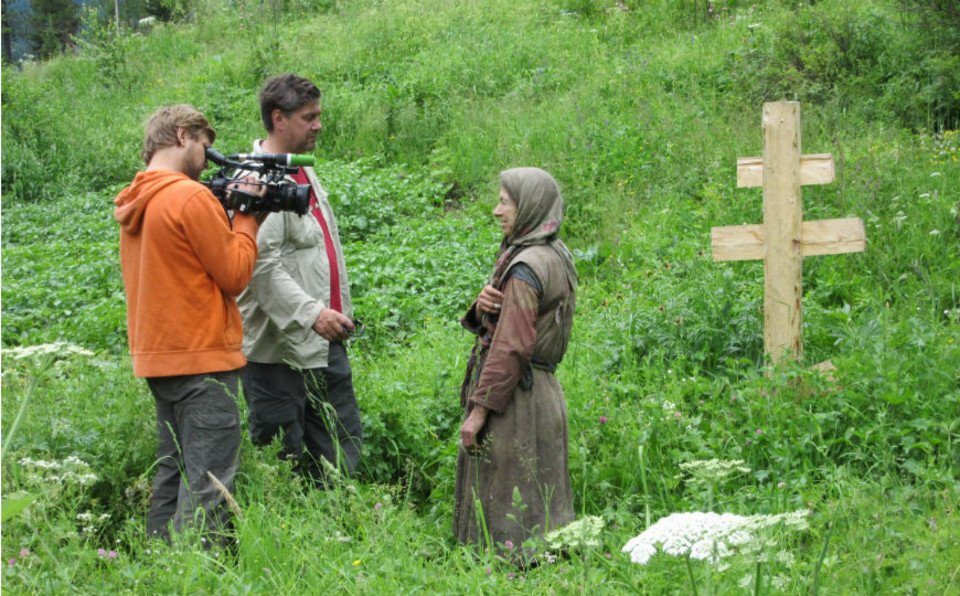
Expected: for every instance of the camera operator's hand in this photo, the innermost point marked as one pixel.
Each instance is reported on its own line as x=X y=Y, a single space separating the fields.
x=332 y=325
x=251 y=186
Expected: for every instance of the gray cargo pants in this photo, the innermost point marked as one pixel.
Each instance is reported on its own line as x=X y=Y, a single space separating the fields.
x=199 y=430
x=315 y=408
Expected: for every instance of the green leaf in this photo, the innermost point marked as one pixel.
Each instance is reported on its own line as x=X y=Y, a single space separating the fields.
x=13 y=506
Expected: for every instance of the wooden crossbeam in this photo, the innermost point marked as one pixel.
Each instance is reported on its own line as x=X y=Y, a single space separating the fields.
x=784 y=239
x=814 y=169
x=821 y=237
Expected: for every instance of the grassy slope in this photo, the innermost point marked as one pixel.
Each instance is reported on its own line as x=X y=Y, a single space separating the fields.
x=641 y=116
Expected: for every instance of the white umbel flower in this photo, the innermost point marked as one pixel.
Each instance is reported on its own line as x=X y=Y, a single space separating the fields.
x=583 y=533
x=715 y=468
x=71 y=470
x=58 y=349
x=706 y=535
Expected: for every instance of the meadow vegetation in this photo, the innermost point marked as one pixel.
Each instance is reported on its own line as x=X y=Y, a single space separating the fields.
x=640 y=109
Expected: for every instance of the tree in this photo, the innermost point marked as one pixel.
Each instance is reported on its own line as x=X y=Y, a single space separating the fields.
x=53 y=25
x=7 y=34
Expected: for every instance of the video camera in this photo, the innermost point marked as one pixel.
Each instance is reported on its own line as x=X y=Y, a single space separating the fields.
x=271 y=168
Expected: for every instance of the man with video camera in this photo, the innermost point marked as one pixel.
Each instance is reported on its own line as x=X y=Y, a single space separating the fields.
x=297 y=311
x=182 y=265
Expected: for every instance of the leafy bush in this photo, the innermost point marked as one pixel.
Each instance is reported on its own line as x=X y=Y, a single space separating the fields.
x=62 y=276
x=814 y=55
x=839 y=52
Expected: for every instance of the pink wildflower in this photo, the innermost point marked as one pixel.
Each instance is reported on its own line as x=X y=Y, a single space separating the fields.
x=603 y=420
x=759 y=431
x=508 y=544
x=24 y=552
x=12 y=562
x=101 y=552
x=677 y=415
x=112 y=554
x=377 y=506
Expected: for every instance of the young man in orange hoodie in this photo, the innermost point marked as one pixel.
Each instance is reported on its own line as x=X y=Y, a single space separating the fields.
x=183 y=264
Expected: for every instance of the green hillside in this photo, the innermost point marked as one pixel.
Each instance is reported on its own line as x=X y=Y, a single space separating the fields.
x=640 y=109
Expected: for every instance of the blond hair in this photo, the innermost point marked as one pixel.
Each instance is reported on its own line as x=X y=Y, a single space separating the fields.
x=161 y=130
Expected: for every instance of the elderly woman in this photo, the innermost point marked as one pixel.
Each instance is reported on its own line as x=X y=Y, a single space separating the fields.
x=512 y=476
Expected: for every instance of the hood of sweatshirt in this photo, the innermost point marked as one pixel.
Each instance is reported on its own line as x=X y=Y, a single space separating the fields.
x=133 y=200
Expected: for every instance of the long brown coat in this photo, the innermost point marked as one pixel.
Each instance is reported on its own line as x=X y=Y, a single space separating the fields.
x=517 y=484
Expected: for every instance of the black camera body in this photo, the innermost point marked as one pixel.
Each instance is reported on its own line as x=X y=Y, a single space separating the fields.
x=271 y=170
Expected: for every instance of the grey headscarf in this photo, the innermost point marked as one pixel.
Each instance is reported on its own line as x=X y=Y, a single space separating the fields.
x=539 y=215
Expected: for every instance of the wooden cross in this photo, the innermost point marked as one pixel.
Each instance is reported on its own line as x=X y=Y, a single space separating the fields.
x=783 y=239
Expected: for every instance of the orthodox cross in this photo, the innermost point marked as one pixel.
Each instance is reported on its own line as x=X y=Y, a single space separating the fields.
x=783 y=239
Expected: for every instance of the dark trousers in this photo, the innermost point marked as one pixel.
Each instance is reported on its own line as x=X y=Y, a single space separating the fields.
x=199 y=429
x=315 y=408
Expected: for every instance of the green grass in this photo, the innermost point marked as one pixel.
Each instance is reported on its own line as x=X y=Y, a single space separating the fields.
x=641 y=114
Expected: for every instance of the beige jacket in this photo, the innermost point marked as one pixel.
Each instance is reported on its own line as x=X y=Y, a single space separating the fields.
x=290 y=286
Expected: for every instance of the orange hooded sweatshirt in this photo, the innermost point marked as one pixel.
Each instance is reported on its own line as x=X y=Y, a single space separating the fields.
x=182 y=266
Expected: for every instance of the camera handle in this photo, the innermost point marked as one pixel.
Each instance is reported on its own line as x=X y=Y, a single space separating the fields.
x=242 y=200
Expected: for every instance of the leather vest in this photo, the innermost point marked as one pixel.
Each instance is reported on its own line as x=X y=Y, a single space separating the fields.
x=557 y=304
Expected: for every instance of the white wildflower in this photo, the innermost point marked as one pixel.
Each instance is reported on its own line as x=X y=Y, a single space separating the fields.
x=56 y=349
x=640 y=552
x=714 y=469
x=779 y=582
x=39 y=463
x=71 y=470
x=582 y=533
x=92 y=522
x=84 y=479
x=785 y=557
x=899 y=219
x=707 y=536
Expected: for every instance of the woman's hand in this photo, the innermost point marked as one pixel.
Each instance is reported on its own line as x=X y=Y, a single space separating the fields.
x=472 y=426
x=490 y=300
